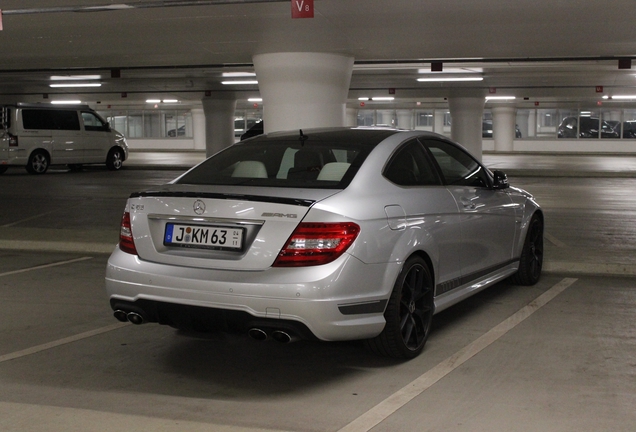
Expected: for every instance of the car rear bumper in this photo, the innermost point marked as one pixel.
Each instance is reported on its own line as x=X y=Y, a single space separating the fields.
x=342 y=300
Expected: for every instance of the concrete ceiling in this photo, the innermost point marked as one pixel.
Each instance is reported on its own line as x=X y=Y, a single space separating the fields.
x=551 y=52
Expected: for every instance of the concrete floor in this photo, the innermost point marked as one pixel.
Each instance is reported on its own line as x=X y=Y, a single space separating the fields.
x=558 y=356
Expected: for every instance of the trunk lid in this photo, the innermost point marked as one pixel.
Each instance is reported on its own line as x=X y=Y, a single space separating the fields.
x=217 y=227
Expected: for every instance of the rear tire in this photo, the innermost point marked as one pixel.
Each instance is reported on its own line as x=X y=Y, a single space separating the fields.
x=38 y=162
x=409 y=313
x=531 y=260
x=115 y=159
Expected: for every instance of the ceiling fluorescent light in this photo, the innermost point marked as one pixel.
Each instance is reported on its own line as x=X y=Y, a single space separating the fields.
x=153 y=100
x=75 y=85
x=363 y=98
x=242 y=82
x=623 y=97
x=75 y=77
x=501 y=98
x=237 y=74
x=170 y=101
x=255 y=100
x=452 y=71
x=450 y=79
x=66 y=102
x=382 y=98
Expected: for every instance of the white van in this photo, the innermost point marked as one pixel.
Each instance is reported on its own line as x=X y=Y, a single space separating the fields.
x=36 y=136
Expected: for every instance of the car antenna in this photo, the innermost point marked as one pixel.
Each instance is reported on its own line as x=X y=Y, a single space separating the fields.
x=302 y=138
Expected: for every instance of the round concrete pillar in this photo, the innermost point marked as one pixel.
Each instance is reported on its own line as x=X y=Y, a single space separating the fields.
x=385 y=117
x=404 y=119
x=503 y=127
x=438 y=118
x=198 y=128
x=352 y=117
x=303 y=90
x=613 y=116
x=532 y=123
x=219 y=123
x=467 y=114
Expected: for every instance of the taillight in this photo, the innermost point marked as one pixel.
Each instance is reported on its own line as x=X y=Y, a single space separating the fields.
x=126 y=241
x=316 y=243
x=13 y=141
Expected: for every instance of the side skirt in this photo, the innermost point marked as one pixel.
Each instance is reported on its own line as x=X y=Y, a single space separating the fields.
x=478 y=283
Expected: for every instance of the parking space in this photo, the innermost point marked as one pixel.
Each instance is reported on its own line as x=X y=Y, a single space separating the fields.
x=505 y=359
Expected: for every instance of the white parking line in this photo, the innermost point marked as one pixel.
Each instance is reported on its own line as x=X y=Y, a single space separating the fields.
x=397 y=400
x=555 y=241
x=49 y=345
x=29 y=218
x=59 y=263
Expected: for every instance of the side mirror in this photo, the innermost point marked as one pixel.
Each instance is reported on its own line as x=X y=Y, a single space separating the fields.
x=500 y=180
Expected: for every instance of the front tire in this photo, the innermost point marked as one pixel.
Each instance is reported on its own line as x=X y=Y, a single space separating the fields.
x=531 y=260
x=409 y=313
x=115 y=159
x=38 y=162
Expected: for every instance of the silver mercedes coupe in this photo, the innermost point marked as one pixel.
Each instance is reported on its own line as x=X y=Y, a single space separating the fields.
x=324 y=234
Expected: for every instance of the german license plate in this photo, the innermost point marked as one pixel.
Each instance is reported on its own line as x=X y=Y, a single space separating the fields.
x=204 y=237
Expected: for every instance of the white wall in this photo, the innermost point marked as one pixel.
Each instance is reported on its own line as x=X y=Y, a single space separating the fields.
x=565 y=145
x=160 y=144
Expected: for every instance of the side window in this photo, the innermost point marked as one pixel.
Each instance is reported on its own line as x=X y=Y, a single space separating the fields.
x=50 y=119
x=92 y=122
x=457 y=166
x=410 y=167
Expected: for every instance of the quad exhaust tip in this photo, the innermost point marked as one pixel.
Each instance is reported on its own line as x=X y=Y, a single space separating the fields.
x=283 y=337
x=278 y=335
x=133 y=317
x=121 y=315
x=257 y=334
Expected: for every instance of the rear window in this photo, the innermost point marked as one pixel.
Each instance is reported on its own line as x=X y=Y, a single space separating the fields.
x=285 y=163
x=50 y=119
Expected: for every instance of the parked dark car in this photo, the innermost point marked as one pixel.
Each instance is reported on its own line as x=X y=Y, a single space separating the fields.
x=589 y=128
x=486 y=130
x=177 y=132
x=255 y=130
x=629 y=128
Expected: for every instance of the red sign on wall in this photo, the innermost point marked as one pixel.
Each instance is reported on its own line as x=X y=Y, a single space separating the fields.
x=302 y=8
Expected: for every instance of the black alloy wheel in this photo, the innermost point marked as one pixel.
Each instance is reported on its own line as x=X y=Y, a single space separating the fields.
x=408 y=314
x=531 y=260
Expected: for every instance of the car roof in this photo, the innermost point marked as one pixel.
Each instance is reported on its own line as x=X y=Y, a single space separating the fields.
x=361 y=135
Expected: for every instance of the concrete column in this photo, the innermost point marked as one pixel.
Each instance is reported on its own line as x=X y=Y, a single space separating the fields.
x=385 y=117
x=438 y=125
x=532 y=123
x=503 y=127
x=198 y=128
x=405 y=119
x=303 y=90
x=522 y=119
x=219 y=122
x=467 y=114
x=352 y=117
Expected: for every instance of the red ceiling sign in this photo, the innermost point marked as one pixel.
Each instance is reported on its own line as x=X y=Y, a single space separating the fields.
x=599 y=89
x=302 y=8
